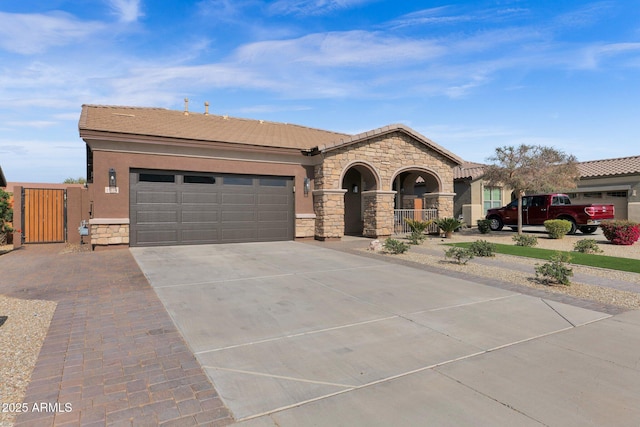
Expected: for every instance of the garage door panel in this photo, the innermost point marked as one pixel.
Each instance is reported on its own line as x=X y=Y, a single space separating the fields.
x=272 y=199
x=154 y=217
x=193 y=208
x=200 y=217
x=157 y=236
x=274 y=216
x=237 y=216
x=204 y=198
x=156 y=197
x=200 y=235
x=240 y=234
x=230 y=199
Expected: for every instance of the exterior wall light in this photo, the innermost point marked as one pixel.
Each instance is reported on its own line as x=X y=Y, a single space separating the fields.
x=354 y=188
x=307 y=186
x=112 y=178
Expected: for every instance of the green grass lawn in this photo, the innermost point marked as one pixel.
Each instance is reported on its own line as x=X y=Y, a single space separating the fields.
x=591 y=260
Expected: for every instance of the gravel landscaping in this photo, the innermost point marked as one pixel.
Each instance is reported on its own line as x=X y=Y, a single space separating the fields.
x=521 y=271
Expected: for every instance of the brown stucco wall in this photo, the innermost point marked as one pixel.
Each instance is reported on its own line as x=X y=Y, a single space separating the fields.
x=77 y=210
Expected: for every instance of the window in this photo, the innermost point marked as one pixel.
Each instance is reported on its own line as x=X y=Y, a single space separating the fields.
x=617 y=194
x=199 y=179
x=492 y=198
x=156 y=177
x=273 y=182
x=593 y=195
x=238 y=180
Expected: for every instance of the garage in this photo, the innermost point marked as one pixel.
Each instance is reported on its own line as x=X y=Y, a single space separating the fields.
x=186 y=208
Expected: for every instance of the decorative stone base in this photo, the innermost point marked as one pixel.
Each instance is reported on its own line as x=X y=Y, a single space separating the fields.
x=305 y=225
x=109 y=231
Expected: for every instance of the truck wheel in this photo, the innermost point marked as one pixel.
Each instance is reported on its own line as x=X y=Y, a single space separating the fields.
x=588 y=230
x=574 y=227
x=495 y=224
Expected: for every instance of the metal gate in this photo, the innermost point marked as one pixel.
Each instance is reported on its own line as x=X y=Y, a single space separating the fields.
x=44 y=215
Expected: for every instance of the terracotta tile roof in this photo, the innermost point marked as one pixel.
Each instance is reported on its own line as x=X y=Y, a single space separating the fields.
x=353 y=139
x=609 y=167
x=468 y=170
x=161 y=122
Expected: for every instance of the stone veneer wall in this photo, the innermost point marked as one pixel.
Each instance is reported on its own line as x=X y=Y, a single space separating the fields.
x=305 y=225
x=378 y=213
x=329 y=208
x=109 y=232
x=387 y=154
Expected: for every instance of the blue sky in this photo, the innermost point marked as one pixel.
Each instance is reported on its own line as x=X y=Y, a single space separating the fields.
x=470 y=75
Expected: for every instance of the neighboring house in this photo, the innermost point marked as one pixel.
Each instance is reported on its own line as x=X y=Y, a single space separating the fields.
x=609 y=181
x=473 y=198
x=162 y=177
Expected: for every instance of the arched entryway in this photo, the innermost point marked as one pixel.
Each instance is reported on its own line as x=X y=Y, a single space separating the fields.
x=356 y=179
x=413 y=186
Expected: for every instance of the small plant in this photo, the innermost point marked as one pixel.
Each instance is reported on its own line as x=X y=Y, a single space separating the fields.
x=484 y=226
x=557 y=228
x=448 y=225
x=525 y=240
x=555 y=271
x=482 y=248
x=395 y=247
x=621 y=232
x=587 y=246
x=418 y=228
x=460 y=255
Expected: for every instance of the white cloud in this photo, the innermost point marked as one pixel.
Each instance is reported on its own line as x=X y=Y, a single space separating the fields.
x=339 y=49
x=29 y=34
x=127 y=10
x=313 y=7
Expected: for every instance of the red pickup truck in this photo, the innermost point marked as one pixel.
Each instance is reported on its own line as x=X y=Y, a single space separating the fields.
x=538 y=208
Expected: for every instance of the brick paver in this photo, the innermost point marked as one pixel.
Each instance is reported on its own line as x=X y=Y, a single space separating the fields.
x=111 y=351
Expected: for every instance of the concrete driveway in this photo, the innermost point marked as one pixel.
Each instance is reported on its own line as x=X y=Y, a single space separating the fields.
x=294 y=334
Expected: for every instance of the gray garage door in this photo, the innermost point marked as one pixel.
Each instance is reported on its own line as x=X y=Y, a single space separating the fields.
x=185 y=208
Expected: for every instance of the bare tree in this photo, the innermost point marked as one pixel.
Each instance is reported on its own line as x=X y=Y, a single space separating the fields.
x=531 y=169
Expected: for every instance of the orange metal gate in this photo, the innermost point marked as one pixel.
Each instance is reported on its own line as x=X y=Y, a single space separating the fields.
x=43 y=215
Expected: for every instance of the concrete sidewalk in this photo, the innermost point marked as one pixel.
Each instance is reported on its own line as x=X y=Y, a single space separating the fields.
x=295 y=334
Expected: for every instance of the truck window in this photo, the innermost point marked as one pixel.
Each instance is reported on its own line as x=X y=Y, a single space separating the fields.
x=537 y=201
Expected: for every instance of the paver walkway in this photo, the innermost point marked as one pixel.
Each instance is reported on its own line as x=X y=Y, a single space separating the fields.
x=112 y=351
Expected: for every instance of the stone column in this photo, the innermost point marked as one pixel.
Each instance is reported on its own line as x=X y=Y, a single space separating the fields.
x=328 y=206
x=441 y=201
x=378 y=213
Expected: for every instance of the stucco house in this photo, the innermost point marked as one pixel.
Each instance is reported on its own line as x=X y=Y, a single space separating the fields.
x=611 y=181
x=166 y=177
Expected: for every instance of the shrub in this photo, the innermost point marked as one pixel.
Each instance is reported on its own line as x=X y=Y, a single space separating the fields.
x=621 y=232
x=482 y=248
x=484 y=226
x=525 y=240
x=415 y=238
x=448 y=225
x=587 y=246
x=557 y=228
x=395 y=246
x=461 y=255
x=418 y=226
x=556 y=270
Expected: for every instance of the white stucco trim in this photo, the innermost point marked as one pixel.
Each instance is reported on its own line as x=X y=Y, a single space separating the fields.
x=305 y=216
x=108 y=221
x=329 y=191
